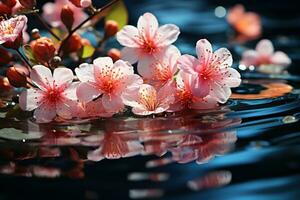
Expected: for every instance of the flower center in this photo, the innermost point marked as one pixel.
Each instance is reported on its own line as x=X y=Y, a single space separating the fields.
x=6 y=28
x=53 y=96
x=148 y=99
x=185 y=97
x=149 y=47
x=108 y=86
x=162 y=73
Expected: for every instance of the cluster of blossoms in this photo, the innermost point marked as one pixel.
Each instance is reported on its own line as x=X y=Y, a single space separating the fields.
x=168 y=81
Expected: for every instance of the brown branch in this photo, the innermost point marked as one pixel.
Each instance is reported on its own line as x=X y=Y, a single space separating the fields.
x=46 y=26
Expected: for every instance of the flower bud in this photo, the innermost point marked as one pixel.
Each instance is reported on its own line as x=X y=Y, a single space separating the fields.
x=29 y=4
x=9 y=3
x=115 y=54
x=43 y=49
x=111 y=28
x=4 y=84
x=67 y=17
x=5 y=57
x=56 y=60
x=17 y=76
x=81 y=3
x=35 y=33
x=73 y=44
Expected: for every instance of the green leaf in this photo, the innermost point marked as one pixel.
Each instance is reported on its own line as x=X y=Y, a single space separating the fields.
x=29 y=54
x=87 y=51
x=118 y=13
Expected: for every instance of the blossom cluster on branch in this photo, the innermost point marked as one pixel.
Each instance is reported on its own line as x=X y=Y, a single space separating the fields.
x=105 y=84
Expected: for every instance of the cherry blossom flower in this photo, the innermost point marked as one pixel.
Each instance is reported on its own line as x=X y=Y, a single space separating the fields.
x=54 y=95
x=11 y=31
x=163 y=69
x=212 y=73
x=147 y=100
x=92 y=109
x=52 y=11
x=147 y=41
x=264 y=55
x=111 y=80
x=247 y=24
x=184 y=98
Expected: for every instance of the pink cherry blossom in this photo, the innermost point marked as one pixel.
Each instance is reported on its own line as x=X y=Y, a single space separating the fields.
x=54 y=95
x=212 y=73
x=111 y=80
x=146 y=42
x=264 y=55
x=184 y=98
x=51 y=13
x=92 y=109
x=147 y=100
x=163 y=69
x=11 y=31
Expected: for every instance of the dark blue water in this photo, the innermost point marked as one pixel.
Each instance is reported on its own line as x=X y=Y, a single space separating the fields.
x=246 y=149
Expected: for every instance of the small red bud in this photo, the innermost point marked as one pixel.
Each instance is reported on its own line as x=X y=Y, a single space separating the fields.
x=67 y=17
x=9 y=3
x=4 y=84
x=43 y=49
x=81 y=3
x=111 y=28
x=30 y=4
x=5 y=57
x=17 y=76
x=115 y=54
x=73 y=44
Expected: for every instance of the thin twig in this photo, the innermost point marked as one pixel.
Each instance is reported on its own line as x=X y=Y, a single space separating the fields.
x=46 y=25
x=29 y=66
x=83 y=23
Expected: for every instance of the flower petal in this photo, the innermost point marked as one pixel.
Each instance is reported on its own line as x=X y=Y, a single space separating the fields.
x=220 y=93
x=280 y=58
x=233 y=78
x=200 y=87
x=85 y=73
x=188 y=64
x=141 y=111
x=144 y=65
x=44 y=113
x=102 y=67
x=249 y=58
x=65 y=109
x=63 y=76
x=205 y=103
x=204 y=51
x=147 y=25
x=41 y=76
x=30 y=99
x=265 y=47
x=87 y=92
x=129 y=37
x=167 y=34
x=70 y=92
x=112 y=103
x=129 y=54
x=222 y=58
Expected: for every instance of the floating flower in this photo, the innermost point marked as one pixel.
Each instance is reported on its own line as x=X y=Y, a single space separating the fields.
x=147 y=100
x=11 y=31
x=55 y=94
x=52 y=13
x=212 y=73
x=146 y=42
x=111 y=80
x=264 y=56
x=185 y=99
x=247 y=24
x=163 y=69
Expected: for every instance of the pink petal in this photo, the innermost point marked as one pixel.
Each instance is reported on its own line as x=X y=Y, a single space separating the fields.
x=205 y=103
x=280 y=58
x=85 y=3
x=200 y=87
x=129 y=54
x=133 y=83
x=30 y=99
x=87 y=92
x=65 y=109
x=70 y=92
x=95 y=155
x=188 y=64
x=265 y=47
x=233 y=78
x=141 y=111
x=129 y=37
x=63 y=76
x=85 y=73
x=222 y=58
x=96 y=109
x=122 y=68
x=112 y=103
x=167 y=34
x=102 y=67
x=131 y=98
x=249 y=58
x=41 y=76
x=144 y=65
x=204 y=51
x=44 y=113
x=220 y=93
x=147 y=25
